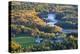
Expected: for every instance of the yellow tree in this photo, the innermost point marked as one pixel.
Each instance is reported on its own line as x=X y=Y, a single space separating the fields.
x=15 y=46
x=57 y=29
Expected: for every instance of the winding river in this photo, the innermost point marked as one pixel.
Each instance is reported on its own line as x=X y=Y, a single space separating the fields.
x=51 y=22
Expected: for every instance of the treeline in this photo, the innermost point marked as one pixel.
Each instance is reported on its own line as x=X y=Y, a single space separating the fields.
x=68 y=11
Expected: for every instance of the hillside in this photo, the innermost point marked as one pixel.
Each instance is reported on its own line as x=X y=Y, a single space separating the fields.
x=42 y=26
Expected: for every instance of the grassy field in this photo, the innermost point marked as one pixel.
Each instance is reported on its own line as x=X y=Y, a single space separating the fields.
x=25 y=41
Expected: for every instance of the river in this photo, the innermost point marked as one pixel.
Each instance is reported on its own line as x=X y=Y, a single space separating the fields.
x=51 y=22
x=51 y=19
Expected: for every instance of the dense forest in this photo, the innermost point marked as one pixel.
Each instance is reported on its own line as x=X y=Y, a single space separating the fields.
x=30 y=30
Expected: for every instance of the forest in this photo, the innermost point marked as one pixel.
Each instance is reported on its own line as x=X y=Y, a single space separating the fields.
x=42 y=26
